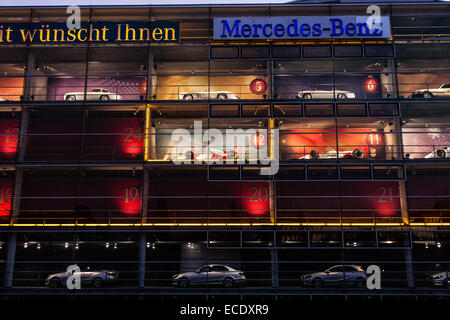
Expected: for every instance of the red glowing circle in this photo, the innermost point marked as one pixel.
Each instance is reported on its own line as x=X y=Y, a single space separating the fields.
x=258 y=86
x=371 y=85
x=374 y=139
x=258 y=140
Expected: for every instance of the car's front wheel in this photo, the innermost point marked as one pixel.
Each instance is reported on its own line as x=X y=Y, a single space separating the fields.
x=307 y=96
x=221 y=96
x=427 y=94
x=104 y=98
x=359 y=283
x=183 y=283
x=71 y=98
x=97 y=282
x=316 y=283
x=228 y=282
x=342 y=96
x=188 y=97
x=55 y=283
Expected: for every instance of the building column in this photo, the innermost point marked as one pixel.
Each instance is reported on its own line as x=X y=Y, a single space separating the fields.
x=142 y=257
x=10 y=258
x=409 y=268
x=274 y=256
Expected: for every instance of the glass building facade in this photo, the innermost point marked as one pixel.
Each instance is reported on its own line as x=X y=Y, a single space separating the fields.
x=88 y=160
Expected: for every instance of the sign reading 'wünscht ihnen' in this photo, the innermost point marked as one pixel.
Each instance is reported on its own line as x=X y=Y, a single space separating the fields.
x=100 y=32
x=343 y=27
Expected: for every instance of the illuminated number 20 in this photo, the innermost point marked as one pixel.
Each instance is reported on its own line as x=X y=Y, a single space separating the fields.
x=5 y=195
x=386 y=195
x=260 y=194
x=131 y=194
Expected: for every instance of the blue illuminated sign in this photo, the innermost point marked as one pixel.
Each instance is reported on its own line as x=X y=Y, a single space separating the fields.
x=308 y=27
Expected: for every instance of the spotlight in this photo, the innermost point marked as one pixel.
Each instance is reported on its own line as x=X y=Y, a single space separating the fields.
x=148 y=244
x=115 y=245
x=438 y=244
x=77 y=246
x=25 y=245
x=66 y=245
x=39 y=246
x=107 y=245
x=190 y=245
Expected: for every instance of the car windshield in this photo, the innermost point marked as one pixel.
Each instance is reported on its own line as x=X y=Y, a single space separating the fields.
x=204 y=269
x=334 y=269
x=96 y=90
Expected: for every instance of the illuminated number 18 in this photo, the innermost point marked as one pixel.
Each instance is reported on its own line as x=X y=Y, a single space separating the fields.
x=5 y=195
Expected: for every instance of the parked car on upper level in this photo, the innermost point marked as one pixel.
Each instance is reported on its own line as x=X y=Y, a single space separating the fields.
x=205 y=95
x=440 y=279
x=348 y=275
x=355 y=154
x=95 y=94
x=218 y=274
x=325 y=94
x=442 y=91
x=440 y=153
x=92 y=278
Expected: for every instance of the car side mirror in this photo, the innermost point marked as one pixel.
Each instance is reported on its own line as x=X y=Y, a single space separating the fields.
x=327 y=272
x=197 y=271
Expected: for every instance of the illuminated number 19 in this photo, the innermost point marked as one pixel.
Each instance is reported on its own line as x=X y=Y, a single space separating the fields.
x=5 y=195
x=260 y=194
x=131 y=194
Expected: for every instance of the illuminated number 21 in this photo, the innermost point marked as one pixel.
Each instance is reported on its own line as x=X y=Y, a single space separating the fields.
x=260 y=194
x=5 y=195
x=386 y=195
x=131 y=194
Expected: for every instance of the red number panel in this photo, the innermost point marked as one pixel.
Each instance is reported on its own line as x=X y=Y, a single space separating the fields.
x=6 y=193
x=9 y=138
x=114 y=139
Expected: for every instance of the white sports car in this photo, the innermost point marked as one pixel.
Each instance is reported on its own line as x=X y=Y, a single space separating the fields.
x=219 y=95
x=214 y=154
x=325 y=94
x=441 y=153
x=355 y=154
x=94 y=94
x=442 y=91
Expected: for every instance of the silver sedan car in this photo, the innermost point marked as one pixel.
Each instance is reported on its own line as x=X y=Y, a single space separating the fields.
x=440 y=279
x=347 y=275
x=92 y=278
x=213 y=274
